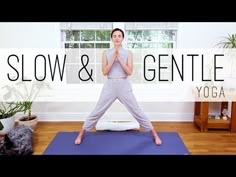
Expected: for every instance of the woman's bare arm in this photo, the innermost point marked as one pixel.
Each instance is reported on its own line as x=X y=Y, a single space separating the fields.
x=106 y=67
x=128 y=68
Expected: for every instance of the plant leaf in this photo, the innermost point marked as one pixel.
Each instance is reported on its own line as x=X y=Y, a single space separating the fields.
x=228 y=42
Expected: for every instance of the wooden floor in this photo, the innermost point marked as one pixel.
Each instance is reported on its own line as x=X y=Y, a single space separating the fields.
x=213 y=142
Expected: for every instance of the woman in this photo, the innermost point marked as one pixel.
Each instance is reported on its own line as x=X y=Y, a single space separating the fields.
x=117 y=65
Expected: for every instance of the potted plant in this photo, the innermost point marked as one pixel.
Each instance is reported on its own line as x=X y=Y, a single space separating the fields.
x=28 y=119
x=228 y=42
x=7 y=113
x=26 y=94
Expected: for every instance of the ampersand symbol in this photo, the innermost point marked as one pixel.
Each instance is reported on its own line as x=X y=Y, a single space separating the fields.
x=84 y=67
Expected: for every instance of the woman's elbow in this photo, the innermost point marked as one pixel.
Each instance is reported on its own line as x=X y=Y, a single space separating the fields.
x=129 y=73
x=104 y=73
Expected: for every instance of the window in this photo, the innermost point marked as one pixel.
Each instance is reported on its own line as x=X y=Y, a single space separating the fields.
x=95 y=36
x=77 y=37
x=141 y=36
x=86 y=38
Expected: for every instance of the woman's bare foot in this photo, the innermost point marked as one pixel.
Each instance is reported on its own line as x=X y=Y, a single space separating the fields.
x=79 y=137
x=156 y=137
x=157 y=140
x=78 y=140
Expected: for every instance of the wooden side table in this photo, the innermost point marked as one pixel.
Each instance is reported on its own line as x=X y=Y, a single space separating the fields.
x=202 y=120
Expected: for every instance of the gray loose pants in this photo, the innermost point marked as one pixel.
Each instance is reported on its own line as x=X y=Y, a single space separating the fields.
x=122 y=90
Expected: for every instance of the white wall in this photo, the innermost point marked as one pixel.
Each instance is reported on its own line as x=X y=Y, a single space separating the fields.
x=47 y=35
x=203 y=35
x=30 y=35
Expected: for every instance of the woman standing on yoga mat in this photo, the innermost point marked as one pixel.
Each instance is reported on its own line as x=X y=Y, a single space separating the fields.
x=117 y=65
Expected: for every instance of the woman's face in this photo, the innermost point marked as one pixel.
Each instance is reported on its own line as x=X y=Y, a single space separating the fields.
x=117 y=38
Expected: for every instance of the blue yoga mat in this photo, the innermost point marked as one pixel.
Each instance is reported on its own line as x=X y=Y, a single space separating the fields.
x=116 y=143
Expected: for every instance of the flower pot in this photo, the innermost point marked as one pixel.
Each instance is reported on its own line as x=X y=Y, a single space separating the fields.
x=32 y=122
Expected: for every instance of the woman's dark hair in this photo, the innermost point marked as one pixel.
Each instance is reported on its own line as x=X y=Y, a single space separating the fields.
x=117 y=29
